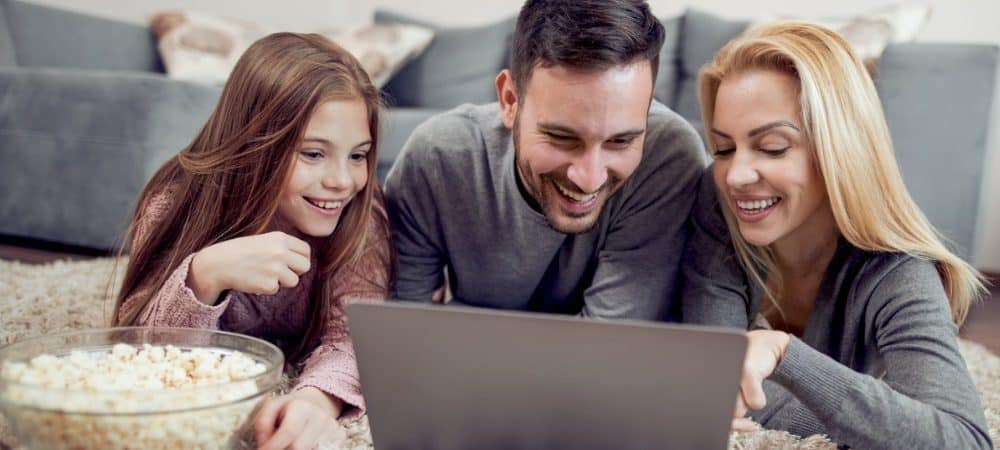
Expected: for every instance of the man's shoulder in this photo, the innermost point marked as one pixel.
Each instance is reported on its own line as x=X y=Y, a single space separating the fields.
x=454 y=143
x=667 y=128
x=462 y=125
x=672 y=145
x=453 y=136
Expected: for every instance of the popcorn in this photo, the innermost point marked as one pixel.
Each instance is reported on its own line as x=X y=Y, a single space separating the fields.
x=152 y=397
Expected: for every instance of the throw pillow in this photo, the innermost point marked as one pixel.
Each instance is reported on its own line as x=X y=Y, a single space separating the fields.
x=204 y=48
x=383 y=49
x=872 y=31
x=200 y=47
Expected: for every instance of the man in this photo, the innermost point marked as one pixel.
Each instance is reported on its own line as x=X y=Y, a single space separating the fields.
x=568 y=196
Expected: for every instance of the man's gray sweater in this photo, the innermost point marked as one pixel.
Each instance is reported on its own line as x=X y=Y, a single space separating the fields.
x=454 y=202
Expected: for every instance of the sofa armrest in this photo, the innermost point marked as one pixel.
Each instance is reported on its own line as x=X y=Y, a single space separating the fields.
x=938 y=101
x=76 y=147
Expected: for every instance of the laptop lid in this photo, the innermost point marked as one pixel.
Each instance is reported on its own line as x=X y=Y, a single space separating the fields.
x=447 y=377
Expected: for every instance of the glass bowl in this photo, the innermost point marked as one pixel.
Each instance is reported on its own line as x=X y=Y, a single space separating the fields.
x=209 y=416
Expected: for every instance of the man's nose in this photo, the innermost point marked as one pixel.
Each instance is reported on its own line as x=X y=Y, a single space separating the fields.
x=589 y=171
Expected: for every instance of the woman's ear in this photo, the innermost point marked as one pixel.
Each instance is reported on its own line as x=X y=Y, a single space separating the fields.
x=507 y=96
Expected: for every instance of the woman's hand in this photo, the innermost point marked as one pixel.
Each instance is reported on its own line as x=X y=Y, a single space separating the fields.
x=259 y=264
x=299 y=420
x=765 y=348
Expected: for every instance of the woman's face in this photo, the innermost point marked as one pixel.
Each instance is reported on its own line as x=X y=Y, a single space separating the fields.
x=765 y=169
x=330 y=168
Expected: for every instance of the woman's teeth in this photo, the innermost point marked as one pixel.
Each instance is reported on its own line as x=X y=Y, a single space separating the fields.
x=757 y=205
x=579 y=198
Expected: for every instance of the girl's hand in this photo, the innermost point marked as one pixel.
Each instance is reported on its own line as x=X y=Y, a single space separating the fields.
x=300 y=420
x=259 y=264
x=765 y=348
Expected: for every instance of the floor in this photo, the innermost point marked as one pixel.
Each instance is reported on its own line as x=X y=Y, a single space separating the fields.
x=982 y=325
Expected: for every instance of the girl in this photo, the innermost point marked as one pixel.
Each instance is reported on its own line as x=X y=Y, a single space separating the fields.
x=859 y=298
x=268 y=222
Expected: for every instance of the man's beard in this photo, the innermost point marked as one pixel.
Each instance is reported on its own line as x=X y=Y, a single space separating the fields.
x=537 y=192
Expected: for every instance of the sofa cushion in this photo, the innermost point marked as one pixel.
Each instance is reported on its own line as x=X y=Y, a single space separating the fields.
x=48 y=37
x=702 y=35
x=459 y=66
x=666 y=76
x=7 y=56
x=938 y=101
x=77 y=147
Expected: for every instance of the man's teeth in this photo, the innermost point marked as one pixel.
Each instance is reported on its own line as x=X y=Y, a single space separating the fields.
x=326 y=205
x=757 y=205
x=579 y=198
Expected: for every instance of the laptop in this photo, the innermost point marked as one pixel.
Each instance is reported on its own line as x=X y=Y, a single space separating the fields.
x=451 y=377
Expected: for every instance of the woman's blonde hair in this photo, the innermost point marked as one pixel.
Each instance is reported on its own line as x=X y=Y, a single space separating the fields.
x=843 y=119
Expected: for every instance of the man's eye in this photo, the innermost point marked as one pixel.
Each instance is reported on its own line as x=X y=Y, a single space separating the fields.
x=620 y=143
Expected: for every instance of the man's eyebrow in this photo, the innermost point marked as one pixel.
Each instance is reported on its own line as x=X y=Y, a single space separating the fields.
x=557 y=129
x=630 y=134
x=567 y=131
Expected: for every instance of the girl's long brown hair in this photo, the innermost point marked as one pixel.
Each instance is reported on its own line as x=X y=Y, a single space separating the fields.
x=226 y=183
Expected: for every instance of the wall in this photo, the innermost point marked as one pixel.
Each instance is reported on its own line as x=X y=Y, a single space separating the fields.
x=951 y=21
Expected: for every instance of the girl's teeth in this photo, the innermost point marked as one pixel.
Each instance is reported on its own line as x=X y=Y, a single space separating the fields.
x=327 y=205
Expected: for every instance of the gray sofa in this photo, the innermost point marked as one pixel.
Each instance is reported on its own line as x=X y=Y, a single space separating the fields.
x=86 y=114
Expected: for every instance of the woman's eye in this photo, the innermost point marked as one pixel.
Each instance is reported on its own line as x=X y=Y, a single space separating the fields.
x=775 y=151
x=722 y=152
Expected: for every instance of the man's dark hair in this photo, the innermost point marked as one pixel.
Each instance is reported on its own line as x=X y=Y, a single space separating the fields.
x=583 y=34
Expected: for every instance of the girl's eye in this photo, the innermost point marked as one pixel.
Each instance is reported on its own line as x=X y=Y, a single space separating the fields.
x=311 y=154
x=359 y=156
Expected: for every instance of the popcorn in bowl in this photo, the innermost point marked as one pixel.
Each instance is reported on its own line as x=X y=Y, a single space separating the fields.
x=136 y=388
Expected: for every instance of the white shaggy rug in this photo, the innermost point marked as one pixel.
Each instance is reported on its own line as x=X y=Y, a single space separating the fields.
x=69 y=295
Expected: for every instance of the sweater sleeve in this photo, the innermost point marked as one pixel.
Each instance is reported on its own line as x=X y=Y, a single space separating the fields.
x=174 y=304
x=332 y=367
x=415 y=218
x=926 y=399
x=716 y=291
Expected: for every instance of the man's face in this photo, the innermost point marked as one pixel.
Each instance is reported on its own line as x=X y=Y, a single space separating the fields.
x=578 y=135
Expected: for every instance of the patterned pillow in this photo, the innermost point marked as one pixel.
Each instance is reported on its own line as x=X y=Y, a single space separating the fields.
x=204 y=48
x=871 y=32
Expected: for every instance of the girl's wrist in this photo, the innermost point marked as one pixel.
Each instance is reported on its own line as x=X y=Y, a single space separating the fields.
x=201 y=279
x=332 y=405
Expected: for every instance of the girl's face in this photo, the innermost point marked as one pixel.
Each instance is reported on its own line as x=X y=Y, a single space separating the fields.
x=330 y=168
x=765 y=169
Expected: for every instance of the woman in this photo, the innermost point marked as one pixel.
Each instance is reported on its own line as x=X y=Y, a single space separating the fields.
x=857 y=298
x=268 y=222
